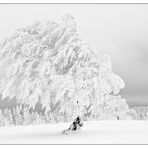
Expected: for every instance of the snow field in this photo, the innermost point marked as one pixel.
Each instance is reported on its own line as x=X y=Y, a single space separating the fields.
x=93 y=132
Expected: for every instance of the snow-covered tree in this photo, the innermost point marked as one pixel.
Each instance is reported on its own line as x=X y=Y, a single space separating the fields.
x=17 y=115
x=1 y=118
x=36 y=118
x=50 y=63
x=26 y=116
x=7 y=117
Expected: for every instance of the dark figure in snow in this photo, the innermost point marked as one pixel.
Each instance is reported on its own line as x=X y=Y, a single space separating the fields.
x=76 y=125
x=79 y=122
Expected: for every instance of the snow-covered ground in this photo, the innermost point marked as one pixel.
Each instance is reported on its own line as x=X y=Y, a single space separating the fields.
x=93 y=132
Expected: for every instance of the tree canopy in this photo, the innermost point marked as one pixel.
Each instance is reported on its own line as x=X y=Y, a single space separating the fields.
x=50 y=63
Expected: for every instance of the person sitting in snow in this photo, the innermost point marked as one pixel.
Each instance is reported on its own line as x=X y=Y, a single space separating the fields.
x=79 y=122
x=76 y=125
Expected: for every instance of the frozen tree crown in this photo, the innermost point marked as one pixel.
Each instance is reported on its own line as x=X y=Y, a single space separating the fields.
x=69 y=19
x=49 y=63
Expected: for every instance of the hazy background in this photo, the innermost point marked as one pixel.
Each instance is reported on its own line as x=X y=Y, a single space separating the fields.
x=119 y=30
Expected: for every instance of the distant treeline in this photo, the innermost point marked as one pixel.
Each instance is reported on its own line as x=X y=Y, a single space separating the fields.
x=24 y=116
x=141 y=112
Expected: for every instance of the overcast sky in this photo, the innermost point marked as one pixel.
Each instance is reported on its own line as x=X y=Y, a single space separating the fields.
x=119 y=30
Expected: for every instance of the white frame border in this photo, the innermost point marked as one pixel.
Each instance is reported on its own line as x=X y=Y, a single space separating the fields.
x=73 y=1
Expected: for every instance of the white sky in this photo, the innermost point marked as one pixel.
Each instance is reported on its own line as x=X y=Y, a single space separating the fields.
x=119 y=30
